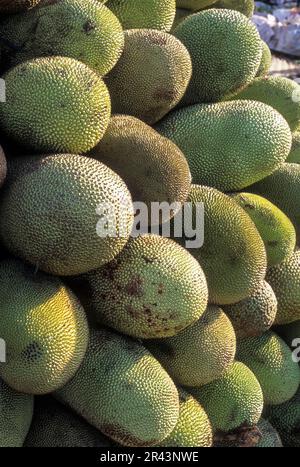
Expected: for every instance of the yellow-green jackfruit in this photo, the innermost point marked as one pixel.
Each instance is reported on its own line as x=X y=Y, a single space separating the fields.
x=286 y=419
x=149 y=14
x=154 y=288
x=44 y=328
x=81 y=29
x=213 y=138
x=79 y=213
x=275 y=228
x=294 y=156
x=15 y=416
x=266 y=61
x=271 y=361
x=226 y=52
x=232 y=401
x=151 y=76
x=201 y=353
x=123 y=391
x=255 y=314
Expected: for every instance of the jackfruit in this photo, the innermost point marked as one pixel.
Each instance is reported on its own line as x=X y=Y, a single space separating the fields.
x=44 y=328
x=194 y=4
x=151 y=77
x=275 y=228
x=226 y=52
x=283 y=189
x=153 y=168
x=201 y=353
x=154 y=288
x=285 y=281
x=277 y=92
x=266 y=61
x=81 y=29
x=152 y=14
x=55 y=426
x=12 y=6
x=255 y=314
x=243 y=6
x=294 y=156
x=55 y=104
x=15 y=416
x=233 y=256
x=3 y=167
x=123 y=391
x=271 y=361
x=213 y=138
x=193 y=428
x=79 y=213
x=286 y=419
x=232 y=401
x=269 y=436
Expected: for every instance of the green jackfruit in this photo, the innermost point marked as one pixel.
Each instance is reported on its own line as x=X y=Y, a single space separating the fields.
x=233 y=256
x=81 y=29
x=15 y=416
x=285 y=281
x=278 y=92
x=152 y=14
x=275 y=228
x=12 y=6
x=193 y=428
x=153 y=168
x=226 y=52
x=151 y=77
x=255 y=314
x=213 y=138
x=269 y=436
x=194 y=4
x=266 y=61
x=283 y=189
x=55 y=426
x=3 y=166
x=123 y=391
x=232 y=401
x=271 y=361
x=55 y=104
x=201 y=353
x=44 y=327
x=243 y=6
x=154 y=288
x=286 y=419
x=294 y=156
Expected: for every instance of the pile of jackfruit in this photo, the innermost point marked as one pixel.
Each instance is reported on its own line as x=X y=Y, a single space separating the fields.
x=107 y=338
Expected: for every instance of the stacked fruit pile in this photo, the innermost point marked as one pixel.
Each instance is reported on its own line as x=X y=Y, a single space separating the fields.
x=111 y=338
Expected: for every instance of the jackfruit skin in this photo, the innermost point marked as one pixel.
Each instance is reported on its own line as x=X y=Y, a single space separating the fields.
x=123 y=391
x=60 y=195
x=229 y=56
x=95 y=38
x=286 y=420
x=274 y=227
x=193 y=428
x=255 y=314
x=44 y=327
x=294 y=156
x=12 y=6
x=271 y=361
x=154 y=288
x=277 y=92
x=285 y=281
x=153 y=168
x=152 y=14
x=213 y=138
x=55 y=426
x=243 y=6
x=55 y=104
x=283 y=189
x=270 y=437
x=3 y=167
x=15 y=416
x=235 y=400
x=194 y=4
x=201 y=353
x=266 y=61
x=151 y=77
x=233 y=256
